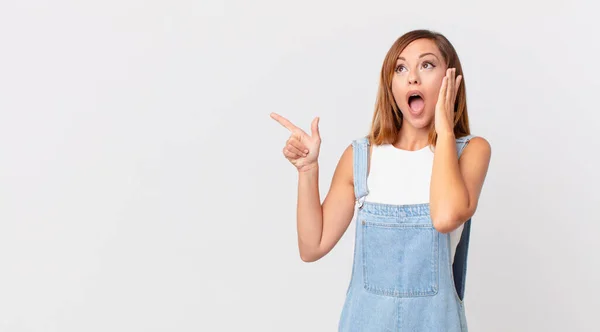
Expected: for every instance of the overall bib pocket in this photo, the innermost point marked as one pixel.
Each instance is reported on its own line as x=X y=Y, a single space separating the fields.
x=400 y=259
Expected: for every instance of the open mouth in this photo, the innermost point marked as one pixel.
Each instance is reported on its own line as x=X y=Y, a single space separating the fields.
x=416 y=101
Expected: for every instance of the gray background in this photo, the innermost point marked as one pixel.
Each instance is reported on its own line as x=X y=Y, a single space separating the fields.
x=143 y=188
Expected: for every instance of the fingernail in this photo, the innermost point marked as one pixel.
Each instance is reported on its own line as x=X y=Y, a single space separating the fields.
x=305 y=151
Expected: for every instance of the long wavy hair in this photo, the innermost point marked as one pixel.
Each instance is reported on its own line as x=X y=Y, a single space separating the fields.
x=387 y=118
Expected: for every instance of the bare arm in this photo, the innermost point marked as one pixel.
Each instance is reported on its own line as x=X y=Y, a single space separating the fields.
x=320 y=227
x=456 y=184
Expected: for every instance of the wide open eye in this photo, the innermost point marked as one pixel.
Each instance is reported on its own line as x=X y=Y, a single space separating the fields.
x=428 y=65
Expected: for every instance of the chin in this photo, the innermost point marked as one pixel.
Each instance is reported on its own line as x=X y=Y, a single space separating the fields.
x=419 y=123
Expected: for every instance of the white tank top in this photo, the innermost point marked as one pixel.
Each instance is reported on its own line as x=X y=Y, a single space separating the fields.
x=403 y=177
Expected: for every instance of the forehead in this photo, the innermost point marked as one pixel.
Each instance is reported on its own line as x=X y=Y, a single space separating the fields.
x=418 y=47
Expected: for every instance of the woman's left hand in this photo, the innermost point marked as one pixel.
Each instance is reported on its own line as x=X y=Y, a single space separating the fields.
x=444 y=108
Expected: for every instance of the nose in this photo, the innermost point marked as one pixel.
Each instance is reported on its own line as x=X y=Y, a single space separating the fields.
x=413 y=78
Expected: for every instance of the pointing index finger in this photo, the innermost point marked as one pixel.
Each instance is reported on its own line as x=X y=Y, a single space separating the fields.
x=283 y=121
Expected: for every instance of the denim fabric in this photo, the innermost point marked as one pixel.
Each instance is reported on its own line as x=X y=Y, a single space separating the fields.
x=402 y=275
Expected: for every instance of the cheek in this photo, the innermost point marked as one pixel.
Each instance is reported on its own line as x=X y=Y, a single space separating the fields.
x=434 y=80
x=433 y=87
x=398 y=92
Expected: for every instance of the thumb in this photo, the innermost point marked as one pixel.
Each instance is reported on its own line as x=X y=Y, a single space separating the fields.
x=314 y=126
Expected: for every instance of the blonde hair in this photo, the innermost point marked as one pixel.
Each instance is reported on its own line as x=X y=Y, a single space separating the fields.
x=387 y=118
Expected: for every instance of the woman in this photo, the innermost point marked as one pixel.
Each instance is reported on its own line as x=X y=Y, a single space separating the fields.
x=413 y=184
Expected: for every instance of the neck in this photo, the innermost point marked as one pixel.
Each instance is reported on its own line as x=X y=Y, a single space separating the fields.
x=411 y=138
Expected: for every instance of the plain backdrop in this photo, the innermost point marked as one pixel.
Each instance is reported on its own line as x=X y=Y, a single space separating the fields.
x=143 y=188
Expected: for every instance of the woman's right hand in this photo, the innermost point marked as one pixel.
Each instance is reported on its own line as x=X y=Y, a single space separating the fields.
x=301 y=149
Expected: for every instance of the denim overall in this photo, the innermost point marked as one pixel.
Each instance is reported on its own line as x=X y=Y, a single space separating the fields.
x=402 y=275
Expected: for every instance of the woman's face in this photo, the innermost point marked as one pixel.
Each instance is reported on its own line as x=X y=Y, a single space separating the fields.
x=416 y=83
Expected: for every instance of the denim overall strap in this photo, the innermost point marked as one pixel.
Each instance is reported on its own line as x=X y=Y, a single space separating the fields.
x=459 y=267
x=461 y=143
x=360 y=152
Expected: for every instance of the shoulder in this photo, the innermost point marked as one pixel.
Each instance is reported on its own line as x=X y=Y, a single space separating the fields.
x=477 y=143
x=476 y=148
x=356 y=146
x=346 y=163
x=345 y=166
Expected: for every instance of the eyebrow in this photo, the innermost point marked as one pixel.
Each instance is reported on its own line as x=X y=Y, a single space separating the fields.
x=422 y=55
